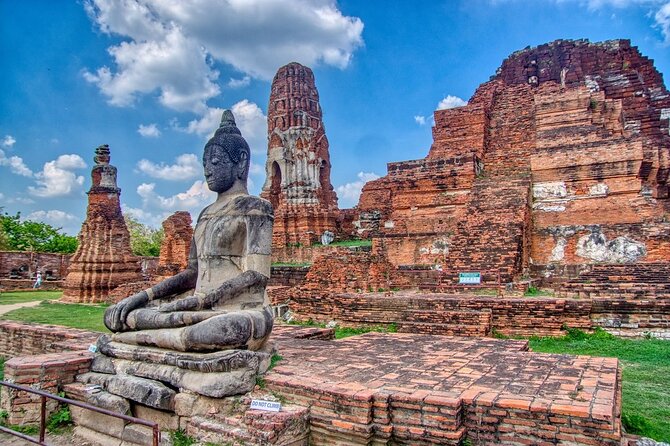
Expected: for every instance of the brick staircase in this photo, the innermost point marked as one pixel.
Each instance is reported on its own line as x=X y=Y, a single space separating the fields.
x=629 y=281
x=492 y=236
x=411 y=313
x=252 y=427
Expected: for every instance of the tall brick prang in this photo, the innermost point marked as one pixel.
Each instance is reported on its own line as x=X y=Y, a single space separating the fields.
x=178 y=234
x=298 y=163
x=104 y=259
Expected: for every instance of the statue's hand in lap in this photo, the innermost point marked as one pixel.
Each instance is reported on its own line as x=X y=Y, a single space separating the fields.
x=191 y=303
x=116 y=316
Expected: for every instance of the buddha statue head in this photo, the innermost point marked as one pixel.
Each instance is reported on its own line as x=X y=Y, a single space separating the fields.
x=227 y=156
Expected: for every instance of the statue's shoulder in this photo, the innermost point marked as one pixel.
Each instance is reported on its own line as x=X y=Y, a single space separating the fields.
x=252 y=205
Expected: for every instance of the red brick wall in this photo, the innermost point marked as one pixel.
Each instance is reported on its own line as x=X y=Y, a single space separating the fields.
x=20 y=339
x=31 y=262
x=514 y=317
x=48 y=372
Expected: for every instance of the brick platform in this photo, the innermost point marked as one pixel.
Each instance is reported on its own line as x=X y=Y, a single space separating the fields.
x=370 y=389
x=472 y=315
x=420 y=390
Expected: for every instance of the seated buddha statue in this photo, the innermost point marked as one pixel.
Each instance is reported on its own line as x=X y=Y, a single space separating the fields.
x=219 y=301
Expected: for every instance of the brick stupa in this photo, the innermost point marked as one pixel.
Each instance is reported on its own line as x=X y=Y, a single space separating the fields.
x=176 y=244
x=104 y=259
x=298 y=164
x=561 y=159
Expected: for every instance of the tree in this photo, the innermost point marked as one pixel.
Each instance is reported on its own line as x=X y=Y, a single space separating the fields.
x=144 y=240
x=31 y=235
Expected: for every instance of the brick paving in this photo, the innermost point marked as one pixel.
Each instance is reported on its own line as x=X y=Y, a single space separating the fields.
x=423 y=389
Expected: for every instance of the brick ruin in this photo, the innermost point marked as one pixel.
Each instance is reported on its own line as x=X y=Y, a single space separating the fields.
x=104 y=259
x=562 y=158
x=298 y=164
x=555 y=174
x=376 y=388
x=177 y=236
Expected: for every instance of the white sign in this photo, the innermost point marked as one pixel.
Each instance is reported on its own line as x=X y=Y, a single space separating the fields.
x=92 y=348
x=271 y=406
x=470 y=278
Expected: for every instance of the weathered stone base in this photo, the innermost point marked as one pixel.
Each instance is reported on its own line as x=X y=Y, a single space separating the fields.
x=154 y=376
x=217 y=420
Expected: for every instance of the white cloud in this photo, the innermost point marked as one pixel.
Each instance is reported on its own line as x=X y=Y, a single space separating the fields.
x=175 y=66
x=172 y=44
x=421 y=120
x=349 y=193
x=15 y=164
x=256 y=169
x=187 y=166
x=194 y=199
x=8 y=141
x=450 y=101
x=152 y=219
x=662 y=18
x=249 y=118
x=253 y=124
x=52 y=217
x=149 y=131
x=239 y=83
x=57 y=179
x=660 y=10
x=72 y=161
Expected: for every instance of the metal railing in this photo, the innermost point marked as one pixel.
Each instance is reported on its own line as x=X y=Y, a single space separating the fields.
x=43 y=398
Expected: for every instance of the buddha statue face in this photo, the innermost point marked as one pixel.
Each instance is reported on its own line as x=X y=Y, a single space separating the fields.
x=221 y=171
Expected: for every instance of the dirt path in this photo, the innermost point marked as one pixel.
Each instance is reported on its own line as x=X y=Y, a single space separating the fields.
x=11 y=307
x=66 y=439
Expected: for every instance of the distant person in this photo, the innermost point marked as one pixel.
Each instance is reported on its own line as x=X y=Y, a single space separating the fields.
x=38 y=280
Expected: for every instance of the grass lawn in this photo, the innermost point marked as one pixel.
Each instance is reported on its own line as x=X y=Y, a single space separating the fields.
x=17 y=297
x=646 y=375
x=87 y=317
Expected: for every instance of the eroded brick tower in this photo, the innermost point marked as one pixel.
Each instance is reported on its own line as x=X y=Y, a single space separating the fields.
x=298 y=163
x=104 y=259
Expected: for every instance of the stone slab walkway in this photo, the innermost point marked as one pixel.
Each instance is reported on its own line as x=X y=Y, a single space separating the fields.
x=11 y=307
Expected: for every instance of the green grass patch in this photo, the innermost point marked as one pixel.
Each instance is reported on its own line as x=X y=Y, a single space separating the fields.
x=350 y=243
x=87 y=317
x=2 y=368
x=646 y=367
x=345 y=332
x=19 y=297
x=179 y=438
x=291 y=264
x=485 y=292
x=274 y=360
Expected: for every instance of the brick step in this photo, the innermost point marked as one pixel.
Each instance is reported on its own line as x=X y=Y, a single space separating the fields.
x=454 y=329
x=254 y=427
x=456 y=316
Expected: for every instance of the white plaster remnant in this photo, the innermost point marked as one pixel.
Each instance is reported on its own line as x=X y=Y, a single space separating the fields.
x=558 y=253
x=595 y=247
x=549 y=190
x=439 y=247
x=598 y=190
x=617 y=80
x=549 y=207
x=388 y=224
x=592 y=83
x=665 y=113
x=633 y=126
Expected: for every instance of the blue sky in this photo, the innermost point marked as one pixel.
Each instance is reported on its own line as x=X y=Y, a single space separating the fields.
x=149 y=78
